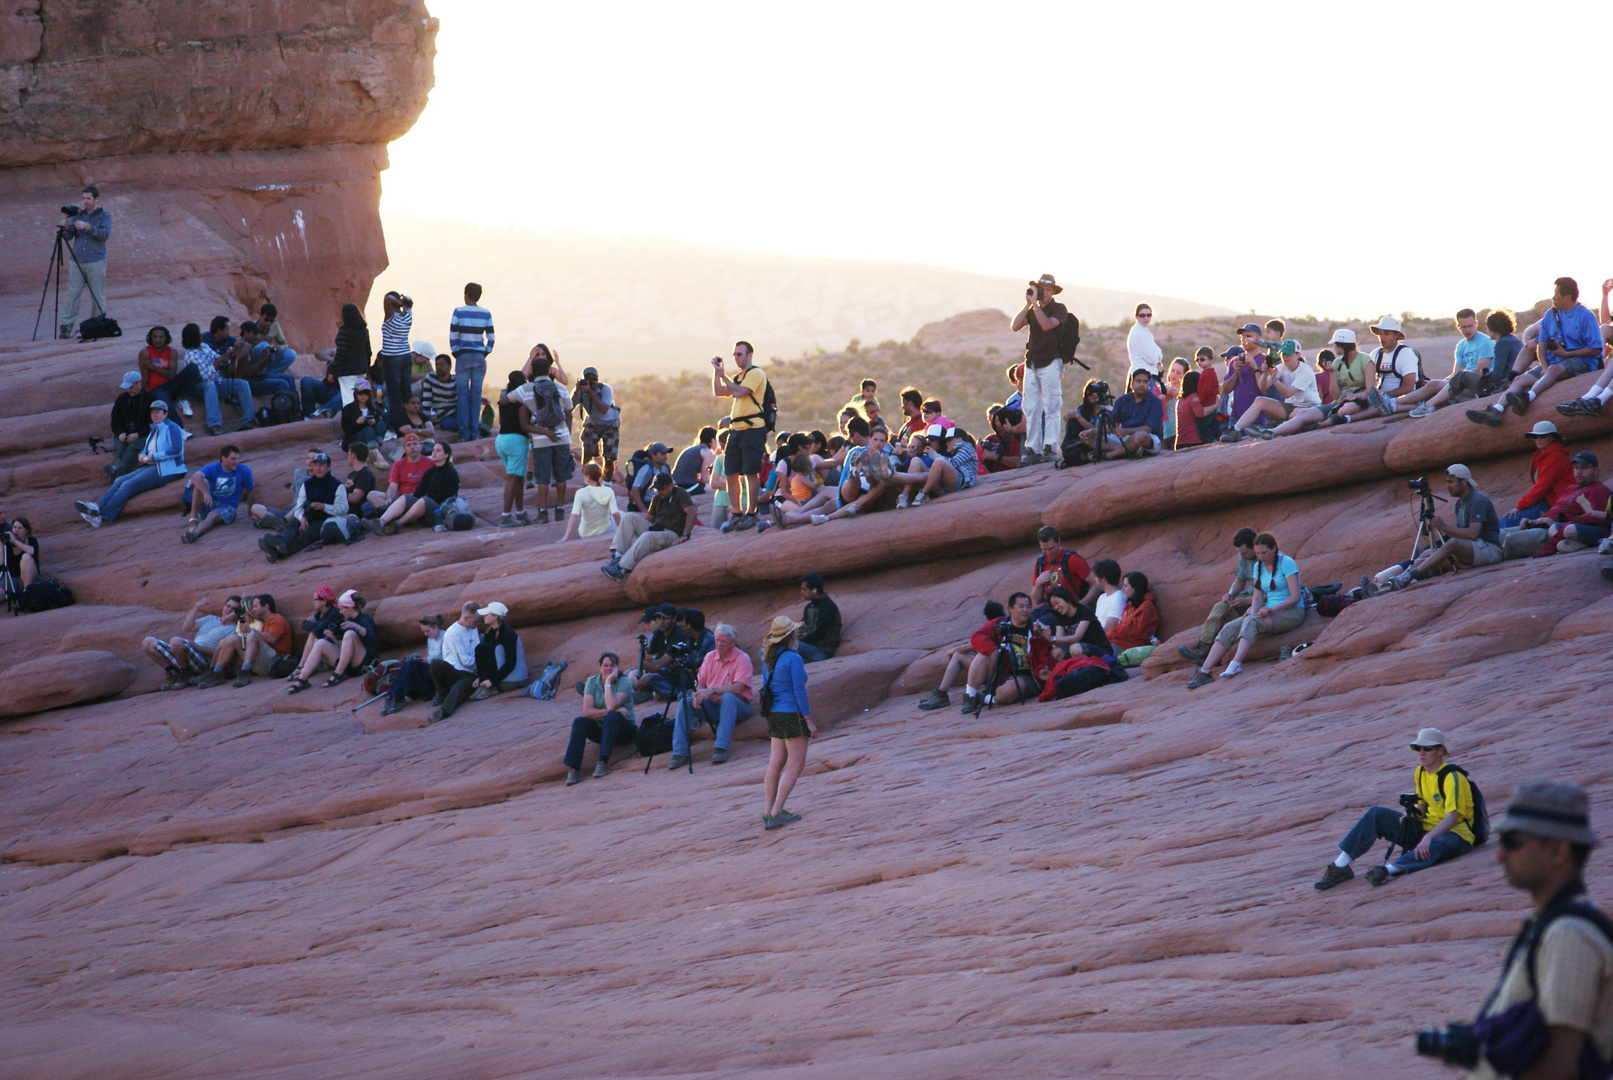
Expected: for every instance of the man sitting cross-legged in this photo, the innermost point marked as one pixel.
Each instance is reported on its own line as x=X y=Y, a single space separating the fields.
x=186 y=658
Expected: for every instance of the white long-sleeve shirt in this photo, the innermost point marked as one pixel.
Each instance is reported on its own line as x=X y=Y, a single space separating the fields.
x=1144 y=351
x=459 y=646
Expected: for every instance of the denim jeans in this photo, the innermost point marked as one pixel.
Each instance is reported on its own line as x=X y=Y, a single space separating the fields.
x=316 y=395
x=127 y=487
x=236 y=391
x=270 y=385
x=126 y=456
x=470 y=369
x=396 y=371
x=1380 y=822
x=810 y=654
x=412 y=680
x=732 y=710
x=1514 y=518
x=607 y=731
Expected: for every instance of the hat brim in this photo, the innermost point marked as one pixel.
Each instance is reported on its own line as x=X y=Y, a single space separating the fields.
x=1573 y=832
x=1054 y=289
x=1387 y=330
x=773 y=636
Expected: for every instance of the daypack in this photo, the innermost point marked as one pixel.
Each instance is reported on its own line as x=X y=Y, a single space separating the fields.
x=545 y=685
x=283 y=408
x=636 y=462
x=99 y=326
x=43 y=596
x=548 y=410
x=1069 y=337
x=769 y=407
x=1481 y=813
x=1331 y=604
x=654 y=737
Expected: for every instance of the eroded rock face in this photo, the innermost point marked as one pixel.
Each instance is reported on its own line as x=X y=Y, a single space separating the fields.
x=237 y=146
x=63 y=679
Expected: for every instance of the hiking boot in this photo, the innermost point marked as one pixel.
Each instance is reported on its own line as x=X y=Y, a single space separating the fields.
x=242 y=680
x=391 y=707
x=1334 y=875
x=746 y=521
x=521 y=519
x=1518 y=403
x=763 y=525
x=971 y=704
x=542 y=518
x=1200 y=678
x=1487 y=417
x=1285 y=652
x=783 y=818
x=176 y=680
x=211 y=679
x=769 y=822
x=390 y=528
x=601 y=768
x=1337 y=421
x=1402 y=581
x=435 y=716
x=1378 y=875
x=901 y=501
x=270 y=547
x=935 y=699
x=506 y=521
x=215 y=429
x=614 y=571
x=1232 y=436
x=678 y=762
x=264 y=522
x=573 y=777
x=369 y=525
x=1369 y=588
x=559 y=514
x=1195 y=653
x=719 y=756
x=188 y=536
x=777 y=513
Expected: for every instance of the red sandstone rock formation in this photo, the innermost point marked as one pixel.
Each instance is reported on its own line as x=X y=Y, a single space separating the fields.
x=238 y=147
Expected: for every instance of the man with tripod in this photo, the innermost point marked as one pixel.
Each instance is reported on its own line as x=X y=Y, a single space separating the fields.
x=89 y=228
x=722 y=696
x=1473 y=540
x=1437 y=825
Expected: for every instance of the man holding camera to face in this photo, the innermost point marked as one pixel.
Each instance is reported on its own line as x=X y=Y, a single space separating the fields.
x=1044 y=370
x=89 y=225
x=1437 y=824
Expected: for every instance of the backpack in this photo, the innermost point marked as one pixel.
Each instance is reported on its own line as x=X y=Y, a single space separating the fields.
x=99 y=326
x=547 y=683
x=283 y=408
x=1069 y=336
x=548 y=411
x=1481 y=812
x=43 y=596
x=636 y=462
x=1331 y=604
x=769 y=407
x=654 y=737
x=1421 y=378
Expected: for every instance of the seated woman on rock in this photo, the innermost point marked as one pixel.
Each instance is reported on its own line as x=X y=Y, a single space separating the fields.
x=500 y=656
x=414 y=420
x=361 y=420
x=1133 y=638
x=806 y=494
x=356 y=649
x=439 y=484
x=607 y=718
x=321 y=625
x=413 y=679
x=22 y=552
x=956 y=465
x=1075 y=626
x=1274 y=608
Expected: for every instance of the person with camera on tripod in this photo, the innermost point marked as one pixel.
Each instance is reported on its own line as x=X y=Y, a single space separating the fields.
x=657 y=653
x=1044 y=369
x=1473 y=539
x=1437 y=824
x=89 y=226
x=1551 y=1015
x=722 y=697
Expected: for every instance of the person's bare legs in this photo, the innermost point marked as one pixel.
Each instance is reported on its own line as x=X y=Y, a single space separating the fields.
x=414 y=513
x=942 y=476
x=210 y=521
x=795 y=760
x=1296 y=423
x=352 y=650
x=323 y=652
x=228 y=654
x=777 y=754
x=28 y=569
x=1261 y=406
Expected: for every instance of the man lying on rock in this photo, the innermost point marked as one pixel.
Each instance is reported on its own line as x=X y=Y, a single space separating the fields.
x=1437 y=825
x=1233 y=603
x=188 y=656
x=319 y=513
x=1473 y=539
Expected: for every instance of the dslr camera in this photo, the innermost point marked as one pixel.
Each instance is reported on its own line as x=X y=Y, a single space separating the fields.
x=405 y=302
x=1105 y=397
x=1412 y=804
x=1033 y=294
x=1553 y=344
x=71 y=210
x=1420 y=485
x=1454 y=1044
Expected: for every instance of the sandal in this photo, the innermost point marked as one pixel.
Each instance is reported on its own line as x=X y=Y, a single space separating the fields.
x=336 y=679
x=298 y=686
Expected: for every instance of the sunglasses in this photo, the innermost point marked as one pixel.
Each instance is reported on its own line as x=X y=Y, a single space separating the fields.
x=1511 y=840
x=1146 y=315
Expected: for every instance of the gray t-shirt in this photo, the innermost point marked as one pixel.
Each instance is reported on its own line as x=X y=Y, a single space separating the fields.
x=1476 y=507
x=1245 y=576
x=210 y=630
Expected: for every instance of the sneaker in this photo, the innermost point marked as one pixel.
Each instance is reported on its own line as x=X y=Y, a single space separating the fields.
x=1592 y=407
x=1334 y=875
x=1285 y=652
x=1195 y=653
x=87 y=510
x=1232 y=436
x=783 y=818
x=601 y=769
x=769 y=822
x=481 y=694
x=559 y=514
x=573 y=777
x=1377 y=875
x=369 y=525
x=678 y=762
x=215 y=429
x=439 y=528
x=1200 y=678
x=920 y=499
x=390 y=528
x=1570 y=545
x=1518 y=403
x=185 y=409
x=763 y=525
x=506 y=521
x=935 y=699
x=1571 y=408
x=901 y=501
x=1605 y=547
x=1231 y=670
x=817 y=519
x=1401 y=581
x=777 y=513
x=242 y=680
x=614 y=571
x=391 y=707
x=852 y=510
x=188 y=536
x=1337 y=421
x=719 y=756
x=745 y=521
x=1425 y=409
x=435 y=716
x=1265 y=434
x=1487 y=417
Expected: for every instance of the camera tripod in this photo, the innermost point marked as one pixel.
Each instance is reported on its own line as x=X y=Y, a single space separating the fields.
x=1428 y=535
x=53 y=272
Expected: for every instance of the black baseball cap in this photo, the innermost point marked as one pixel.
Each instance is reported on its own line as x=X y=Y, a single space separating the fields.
x=658 y=611
x=1584 y=457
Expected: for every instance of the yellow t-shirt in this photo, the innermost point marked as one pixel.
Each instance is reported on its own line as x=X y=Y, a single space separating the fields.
x=1457 y=795
x=747 y=411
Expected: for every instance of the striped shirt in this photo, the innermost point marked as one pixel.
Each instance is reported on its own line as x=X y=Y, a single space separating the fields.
x=964 y=460
x=395 y=333
x=471 y=330
x=437 y=395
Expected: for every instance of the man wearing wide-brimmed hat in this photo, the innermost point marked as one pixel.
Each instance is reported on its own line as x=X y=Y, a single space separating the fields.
x=1437 y=828
x=1044 y=368
x=1399 y=377
x=1562 y=959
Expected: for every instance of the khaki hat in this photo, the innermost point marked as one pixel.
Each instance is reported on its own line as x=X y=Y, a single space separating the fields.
x=1556 y=811
x=783 y=626
x=1389 y=323
x=1046 y=282
x=1460 y=472
x=1428 y=736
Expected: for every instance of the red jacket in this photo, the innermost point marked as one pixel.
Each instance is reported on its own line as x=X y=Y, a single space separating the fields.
x=1137 y=625
x=1050 y=688
x=1567 y=510
x=1551 y=473
x=985 y=642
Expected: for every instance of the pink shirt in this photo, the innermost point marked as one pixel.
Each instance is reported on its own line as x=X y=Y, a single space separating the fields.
x=714 y=671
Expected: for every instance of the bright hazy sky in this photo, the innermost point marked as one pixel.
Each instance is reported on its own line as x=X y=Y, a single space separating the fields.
x=1336 y=159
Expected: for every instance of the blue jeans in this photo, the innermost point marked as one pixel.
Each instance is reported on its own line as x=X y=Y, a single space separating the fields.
x=316 y=395
x=269 y=385
x=1380 y=822
x=396 y=371
x=732 y=710
x=607 y=731
x=412 y=680
x=810 y=654
x=1514 y=518
x=237 y=391
x=126 y=487
x=470 y=369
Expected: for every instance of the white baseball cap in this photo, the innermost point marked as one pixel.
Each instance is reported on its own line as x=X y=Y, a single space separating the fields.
x=1460 y=472
x=495 y=608
x=424 y=348
x=1342 y=337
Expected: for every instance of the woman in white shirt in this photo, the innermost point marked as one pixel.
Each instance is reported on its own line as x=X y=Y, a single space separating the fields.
x=1144 y=351
x=595 y=510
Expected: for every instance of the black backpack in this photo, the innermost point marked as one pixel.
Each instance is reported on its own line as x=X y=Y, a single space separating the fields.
x=654 y=737
x=1481 y=812
x=99 y=326
x=283 y=408
x=43 y=596
x=1069 y=337
x=769 y=408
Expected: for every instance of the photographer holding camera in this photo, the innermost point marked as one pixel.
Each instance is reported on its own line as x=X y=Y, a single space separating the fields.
x=602 y=421
x=657 y=653
x=1437 y=824
x=396 y=360
x=1551 y=1015
x=89 y=224
x=1474 y=539
x=1044 y=368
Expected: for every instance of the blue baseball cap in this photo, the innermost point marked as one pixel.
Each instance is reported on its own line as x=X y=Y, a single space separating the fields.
x=129 y=379
x=1236 y=350
x=1250 y=328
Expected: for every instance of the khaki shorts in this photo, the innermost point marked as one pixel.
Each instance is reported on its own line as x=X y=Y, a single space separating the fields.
x=1485 y=554
x=263 y=660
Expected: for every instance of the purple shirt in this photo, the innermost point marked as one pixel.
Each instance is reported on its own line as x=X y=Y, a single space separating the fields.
x=1244 y=389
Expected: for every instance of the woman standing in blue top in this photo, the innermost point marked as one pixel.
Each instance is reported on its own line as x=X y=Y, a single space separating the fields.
x=1274 y=608
x=789 y=719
